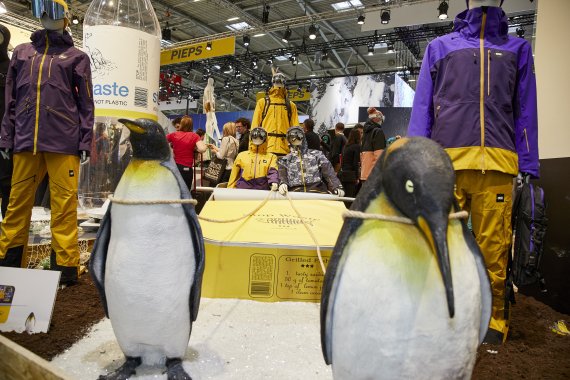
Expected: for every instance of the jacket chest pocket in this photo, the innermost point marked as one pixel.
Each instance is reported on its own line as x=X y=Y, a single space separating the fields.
x=57 y=71
x=501 y=77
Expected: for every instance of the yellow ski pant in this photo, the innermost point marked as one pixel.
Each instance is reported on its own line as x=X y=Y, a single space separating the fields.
x=488 y=198
x=29 y=170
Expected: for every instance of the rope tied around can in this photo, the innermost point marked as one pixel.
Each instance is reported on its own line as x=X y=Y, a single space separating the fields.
x=349 y=214
x=151 y=201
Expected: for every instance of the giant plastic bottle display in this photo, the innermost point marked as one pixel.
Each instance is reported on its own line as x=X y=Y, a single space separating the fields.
x=122 y=38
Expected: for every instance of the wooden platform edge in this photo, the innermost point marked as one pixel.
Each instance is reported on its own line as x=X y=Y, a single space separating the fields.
x=18 y=363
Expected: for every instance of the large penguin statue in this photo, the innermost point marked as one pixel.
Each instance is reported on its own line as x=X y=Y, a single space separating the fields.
x=148 y=259
x=405 y=301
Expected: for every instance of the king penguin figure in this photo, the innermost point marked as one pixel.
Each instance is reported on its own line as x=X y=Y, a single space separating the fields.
x=148 y=259
x=405 y=301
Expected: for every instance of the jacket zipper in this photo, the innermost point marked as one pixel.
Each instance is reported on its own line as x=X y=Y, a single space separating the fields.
x=36 y=127
x=489 y=72
x=482 y=89
x=49 y=69
x=32 y=65
x=49 y=109
x=526 y=139
x=437 y=109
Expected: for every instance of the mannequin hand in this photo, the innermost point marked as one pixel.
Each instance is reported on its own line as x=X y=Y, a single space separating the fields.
x=5 y=153
x=83 y=156
x=283 y=189
x=274 y=187
x=339 y=192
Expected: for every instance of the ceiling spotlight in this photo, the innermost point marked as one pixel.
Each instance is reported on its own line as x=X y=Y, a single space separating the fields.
x=269 y=60
x=325 y=55
x=360 y=20
x=227 y=84
x=370 y=49
x=390 y=47
x=385 y=16
x=166 y=33
x=293 y=59
x=246 y=40
x=520 y=31
x=238 y=73
x=443 y=7
x=209 y=45
x=286 y=35
x=75 y=20
x=312 y=32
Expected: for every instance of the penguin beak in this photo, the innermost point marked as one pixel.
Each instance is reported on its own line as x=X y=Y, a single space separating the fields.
x=135 y=128
x=435 y=229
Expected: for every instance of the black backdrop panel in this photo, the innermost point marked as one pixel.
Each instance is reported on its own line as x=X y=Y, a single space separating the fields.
x=397 y=119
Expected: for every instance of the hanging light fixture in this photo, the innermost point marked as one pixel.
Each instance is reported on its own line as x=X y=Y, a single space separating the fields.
x=385 y=16
x=390 y=47
x=246 y=40
x=209 y=45
x=520 y=31
x=286 y=35
x=312 y=32
x=75 y=20
x=443 y=8
x=371 y=48
x=360 y=20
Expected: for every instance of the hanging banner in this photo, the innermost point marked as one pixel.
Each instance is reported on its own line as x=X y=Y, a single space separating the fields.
x=295 y=95
x=195 y=52
x=125 y=71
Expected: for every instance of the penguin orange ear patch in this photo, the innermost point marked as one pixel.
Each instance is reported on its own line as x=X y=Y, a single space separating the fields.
x=132 y=126
x=395 y=145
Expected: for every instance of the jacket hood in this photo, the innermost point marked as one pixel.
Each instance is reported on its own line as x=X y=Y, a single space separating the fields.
x=55 y=38
x=304 y=145
x=468 y=22
x=370 y=125
x=259 y=149
x=4 y=45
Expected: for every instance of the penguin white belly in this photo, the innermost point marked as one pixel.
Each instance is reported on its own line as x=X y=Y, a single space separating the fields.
x=150 y=266
x=390 y=317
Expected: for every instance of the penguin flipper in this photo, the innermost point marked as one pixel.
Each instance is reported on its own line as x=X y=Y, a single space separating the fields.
x=98 y=258
x=485 y=284
x=197 y=240
x=370 y=191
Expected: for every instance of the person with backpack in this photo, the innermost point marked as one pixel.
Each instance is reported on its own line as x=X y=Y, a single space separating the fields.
x=373 y=142
x=338 y=142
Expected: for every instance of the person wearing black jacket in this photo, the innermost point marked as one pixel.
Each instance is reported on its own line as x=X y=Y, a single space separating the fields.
x=313 y=140
x=373 y=142
x=242 y=127
x=337 y=145
x=349 y=174
x=6 y=165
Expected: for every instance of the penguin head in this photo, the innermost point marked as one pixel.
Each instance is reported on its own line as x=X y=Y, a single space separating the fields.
x=147 y=139
x=418 y=178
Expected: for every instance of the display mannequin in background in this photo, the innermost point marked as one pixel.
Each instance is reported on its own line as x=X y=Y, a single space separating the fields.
x=48 y=125
x=476 y=96
x=212 y=131
x=276 y=113
x=6 y=157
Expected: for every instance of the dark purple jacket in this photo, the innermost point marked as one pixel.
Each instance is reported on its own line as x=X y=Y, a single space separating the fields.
x=49 y=102
x=476 y=95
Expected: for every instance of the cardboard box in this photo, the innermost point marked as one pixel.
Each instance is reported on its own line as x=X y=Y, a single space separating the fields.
x=269 y=256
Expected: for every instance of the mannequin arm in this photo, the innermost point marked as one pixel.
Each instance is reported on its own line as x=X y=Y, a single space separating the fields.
x=422 y=118
x=7 y=130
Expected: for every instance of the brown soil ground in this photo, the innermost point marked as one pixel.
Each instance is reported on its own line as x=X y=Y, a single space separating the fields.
x=532 y=351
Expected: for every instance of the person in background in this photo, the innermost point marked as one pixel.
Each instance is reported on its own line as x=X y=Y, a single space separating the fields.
x=339 y=140
x=198 y=156
x=313 y=140
x=176 y=123
x=255 y=168
x=228 y=148
x=242 y=127
x=326 y=145
x=349 y=173
x=184 y=142
x=373 y=142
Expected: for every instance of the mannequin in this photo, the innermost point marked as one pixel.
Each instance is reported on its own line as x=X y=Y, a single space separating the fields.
x=306 y=170
x=476 y=96
x=6 y=158
x=48 y=125
x=255 y=168
x=212 y=131
x=275 y=113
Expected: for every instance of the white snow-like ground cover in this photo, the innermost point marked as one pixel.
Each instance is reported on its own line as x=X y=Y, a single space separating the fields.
x=231 y=339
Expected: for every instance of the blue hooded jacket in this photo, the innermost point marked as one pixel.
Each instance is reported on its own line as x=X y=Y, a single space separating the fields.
x=476 y=95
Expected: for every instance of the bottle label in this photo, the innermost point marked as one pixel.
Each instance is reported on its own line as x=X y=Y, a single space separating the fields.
x=125 y=66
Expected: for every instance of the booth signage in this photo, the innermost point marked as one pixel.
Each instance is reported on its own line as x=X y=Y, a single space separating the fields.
x=294 y=95
x=195 y=52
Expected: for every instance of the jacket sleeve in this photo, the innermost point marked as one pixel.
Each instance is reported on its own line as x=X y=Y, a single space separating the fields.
x=7 y=129
x=223 y=151
x=272 y=171
x=327 y=172
x=421 y=120
x=526 y=120
x=256 y=120
x=84 y=98
x=294 y=121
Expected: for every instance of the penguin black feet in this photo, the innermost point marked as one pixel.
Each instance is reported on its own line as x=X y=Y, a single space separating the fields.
x=175 y=371
x=125 y=371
